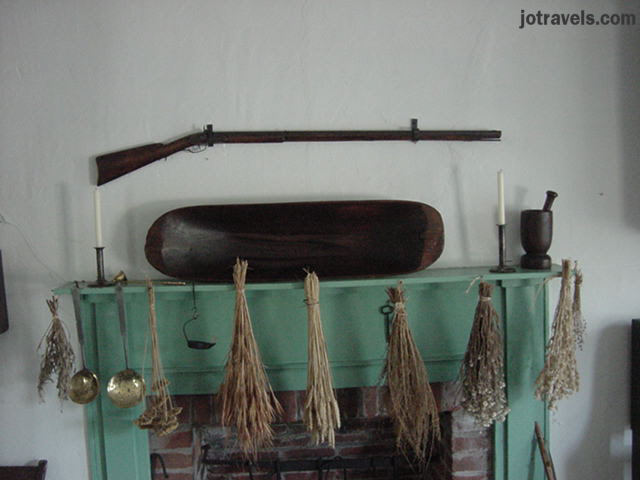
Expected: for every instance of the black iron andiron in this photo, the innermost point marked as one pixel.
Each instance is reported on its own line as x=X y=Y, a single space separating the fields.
x=320 y=465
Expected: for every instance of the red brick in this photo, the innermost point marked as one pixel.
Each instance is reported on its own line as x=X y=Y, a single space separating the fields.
x=299 y=476
x=450 y=396
x=183 y=401
x=177 y=439
x=177 y=460
x=202 y=409
x=364 y=450
x=178 y=476
x=308 y=452
x=476 y=462
x=268 y=455
x=436 y=388
x=196 y=450
x=333 y=475
x=463 y=422
x=289 y=402
x=292 y=441
x=216 y=476
x=383 y=401
x=349 y=402
x=369 y=402
x=461 y=444
x=235 y=457
x=226 y=469
x=301 y=396
x=365 y=431
x=352 y=437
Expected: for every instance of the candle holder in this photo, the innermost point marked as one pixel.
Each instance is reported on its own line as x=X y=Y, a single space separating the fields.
x=502 y=252
x=100 y=281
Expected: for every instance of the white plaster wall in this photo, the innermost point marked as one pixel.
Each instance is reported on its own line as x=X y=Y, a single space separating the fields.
x=79 y=78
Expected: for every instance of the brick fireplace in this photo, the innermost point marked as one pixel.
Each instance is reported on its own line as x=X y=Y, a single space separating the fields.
x=463 y=454
x=441 y=313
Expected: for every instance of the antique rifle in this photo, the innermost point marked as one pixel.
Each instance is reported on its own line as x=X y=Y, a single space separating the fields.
x=117 y=164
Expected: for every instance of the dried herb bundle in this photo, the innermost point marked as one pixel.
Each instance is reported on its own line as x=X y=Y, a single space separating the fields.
x=58 y=358
x=559 y=377
x=161 y=415
x=247 y=400
x=482 y=371
x=579 y=324
x=321 y=412
x=412 y=405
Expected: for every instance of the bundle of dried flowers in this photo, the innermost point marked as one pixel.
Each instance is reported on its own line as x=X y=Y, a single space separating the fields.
x=321 y=413
x=58 y=358
x=246 y=396
x=161 y=415
x=559 y=377
x=412 y=405
x=482 y=371
x=579 y=323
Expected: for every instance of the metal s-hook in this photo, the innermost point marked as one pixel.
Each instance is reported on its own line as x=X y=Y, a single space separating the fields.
x=387 y=310
x=152 y=459
x=195 y=344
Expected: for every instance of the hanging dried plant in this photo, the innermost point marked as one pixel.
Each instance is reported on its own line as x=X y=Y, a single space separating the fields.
x=559 y=377
x=321 y=412
x=161 y=415
x=247 y=400
x=579 y=323
x=482 y=371
x=412 y=405
x=58 y=358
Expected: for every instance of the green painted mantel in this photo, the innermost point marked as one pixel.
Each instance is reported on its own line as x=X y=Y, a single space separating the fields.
x=440 y=314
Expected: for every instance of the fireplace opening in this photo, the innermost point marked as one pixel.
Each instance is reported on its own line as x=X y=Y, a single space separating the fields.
x=365 y=448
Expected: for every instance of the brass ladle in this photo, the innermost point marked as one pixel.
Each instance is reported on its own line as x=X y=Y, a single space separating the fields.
x=126 y=388
x=84 y=385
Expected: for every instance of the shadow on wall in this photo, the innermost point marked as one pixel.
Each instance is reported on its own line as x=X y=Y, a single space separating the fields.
x=609 y=393
x=629 y=100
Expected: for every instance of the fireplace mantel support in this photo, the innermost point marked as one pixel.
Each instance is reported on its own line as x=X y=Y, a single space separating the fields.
x=440 y=313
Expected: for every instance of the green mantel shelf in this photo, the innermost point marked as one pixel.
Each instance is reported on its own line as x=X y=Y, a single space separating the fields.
x=440 y=314
x=432 y=275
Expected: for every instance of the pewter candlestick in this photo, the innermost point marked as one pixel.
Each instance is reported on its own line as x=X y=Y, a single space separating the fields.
x=100 y=281
x=502 y=253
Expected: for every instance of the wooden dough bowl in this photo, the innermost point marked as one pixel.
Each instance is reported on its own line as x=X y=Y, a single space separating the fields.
x=337 y=239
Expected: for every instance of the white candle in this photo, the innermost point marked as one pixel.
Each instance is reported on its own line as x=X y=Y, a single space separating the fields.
x=501 y=220
x=98 y=208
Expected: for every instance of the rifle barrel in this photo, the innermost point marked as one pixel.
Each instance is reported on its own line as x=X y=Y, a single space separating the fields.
x=354 y=136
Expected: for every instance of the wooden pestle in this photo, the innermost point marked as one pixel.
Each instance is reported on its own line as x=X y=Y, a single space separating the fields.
x=551 y=196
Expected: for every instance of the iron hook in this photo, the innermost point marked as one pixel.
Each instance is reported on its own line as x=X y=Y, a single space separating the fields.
x=152 y=459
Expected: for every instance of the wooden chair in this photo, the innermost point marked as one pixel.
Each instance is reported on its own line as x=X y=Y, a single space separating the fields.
x=24 y=473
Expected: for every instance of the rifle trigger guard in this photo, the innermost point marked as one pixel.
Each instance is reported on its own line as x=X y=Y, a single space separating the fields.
x=209 y=133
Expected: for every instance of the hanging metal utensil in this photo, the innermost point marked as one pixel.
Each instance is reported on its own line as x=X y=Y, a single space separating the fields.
x=84 y=385
x=195 y=344
x=126 y=388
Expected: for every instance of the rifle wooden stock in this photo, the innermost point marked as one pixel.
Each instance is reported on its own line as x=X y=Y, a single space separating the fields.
x=117 y=164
